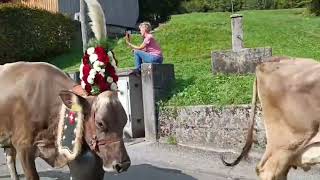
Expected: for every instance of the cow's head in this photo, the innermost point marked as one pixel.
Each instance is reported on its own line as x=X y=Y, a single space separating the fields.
x=105 y=119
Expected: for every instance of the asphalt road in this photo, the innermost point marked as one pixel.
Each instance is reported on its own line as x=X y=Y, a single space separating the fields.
x=153 y=161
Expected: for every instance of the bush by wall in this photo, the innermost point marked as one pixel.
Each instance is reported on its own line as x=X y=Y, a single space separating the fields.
x=28 y=34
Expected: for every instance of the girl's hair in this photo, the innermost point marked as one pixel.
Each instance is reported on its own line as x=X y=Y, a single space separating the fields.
x=147 y=25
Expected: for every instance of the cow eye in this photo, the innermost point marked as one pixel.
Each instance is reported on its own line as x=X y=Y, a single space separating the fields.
x=100 y=124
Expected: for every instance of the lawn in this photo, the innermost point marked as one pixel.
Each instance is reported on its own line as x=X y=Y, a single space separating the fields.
x=188 y=40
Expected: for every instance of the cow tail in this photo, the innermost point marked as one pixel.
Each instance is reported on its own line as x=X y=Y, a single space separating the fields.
x=249 y=140
x=98 y=20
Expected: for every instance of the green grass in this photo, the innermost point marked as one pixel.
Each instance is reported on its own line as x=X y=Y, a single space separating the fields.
x=70 y=61
x=188 y=40
x=172 y=140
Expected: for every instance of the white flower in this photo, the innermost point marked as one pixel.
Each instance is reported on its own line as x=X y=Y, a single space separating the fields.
x=81 y=67
x=113 y=63
x=112 y=60
x=90 y=79
x=110 y=54
x=92 y=76
x=96 y=66
x=93 y=58
x=83 y=84
x=90 y=50
x=114 y=86
x=109 y=79
x=101 y=73
x=92 y=72
x=81 y=71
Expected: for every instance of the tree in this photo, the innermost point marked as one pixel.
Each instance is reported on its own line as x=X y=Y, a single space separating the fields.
x=5 y=1
x=157 y=11
x=314 y=7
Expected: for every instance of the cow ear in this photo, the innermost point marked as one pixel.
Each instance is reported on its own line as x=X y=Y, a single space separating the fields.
x=72 y=100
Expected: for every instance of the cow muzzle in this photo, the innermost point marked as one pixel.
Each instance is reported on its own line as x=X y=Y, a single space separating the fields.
x=118 y=167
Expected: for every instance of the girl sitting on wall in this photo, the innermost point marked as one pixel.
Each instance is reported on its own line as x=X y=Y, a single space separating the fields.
x=149 y=51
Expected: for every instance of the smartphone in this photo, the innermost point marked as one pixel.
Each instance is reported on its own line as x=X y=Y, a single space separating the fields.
x=128 y=33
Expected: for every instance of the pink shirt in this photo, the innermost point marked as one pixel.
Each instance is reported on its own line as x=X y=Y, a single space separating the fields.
x=152 y=46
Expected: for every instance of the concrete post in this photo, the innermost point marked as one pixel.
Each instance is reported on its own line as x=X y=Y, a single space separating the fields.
x=237 y=32
x=157 y=80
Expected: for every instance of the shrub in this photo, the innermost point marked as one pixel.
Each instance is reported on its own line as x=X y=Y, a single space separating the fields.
x=31 y=34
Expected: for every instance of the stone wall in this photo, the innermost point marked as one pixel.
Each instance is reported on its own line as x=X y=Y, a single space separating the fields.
x=209 y=127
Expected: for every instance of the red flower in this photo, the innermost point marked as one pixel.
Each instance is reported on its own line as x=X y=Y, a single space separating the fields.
x=106 y=60
x=103 y=86
x=98 y=78
x=115 y=78
x=110 y=69
x=101 y=82
x=85 y=59
x=88 y=89
x=102 y=56
x=86 y=70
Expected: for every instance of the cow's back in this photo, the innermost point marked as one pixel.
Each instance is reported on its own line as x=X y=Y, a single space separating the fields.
x=289 y=91
x=29 y=100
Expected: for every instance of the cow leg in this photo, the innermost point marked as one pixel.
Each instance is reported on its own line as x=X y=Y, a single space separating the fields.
x=276 y=166
x=11 y=162
x=27 y=158
x=263 y=160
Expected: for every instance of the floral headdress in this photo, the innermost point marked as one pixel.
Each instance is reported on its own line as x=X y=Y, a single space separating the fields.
x=98 y=71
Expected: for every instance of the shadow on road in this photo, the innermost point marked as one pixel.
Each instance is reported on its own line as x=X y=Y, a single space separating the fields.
x=136 y=172
x=146 y=171
x=57 y=175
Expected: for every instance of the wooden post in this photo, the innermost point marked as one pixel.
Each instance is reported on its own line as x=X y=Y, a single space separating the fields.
x=83 y=25
x=237 y=32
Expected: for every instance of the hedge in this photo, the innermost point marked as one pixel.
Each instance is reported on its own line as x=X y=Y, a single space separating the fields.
x=29 y=34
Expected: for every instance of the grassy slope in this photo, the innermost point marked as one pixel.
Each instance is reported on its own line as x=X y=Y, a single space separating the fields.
x=187 y=41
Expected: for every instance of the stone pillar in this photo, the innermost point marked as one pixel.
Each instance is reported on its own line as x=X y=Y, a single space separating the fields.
x=157 y=81
x=237 y=32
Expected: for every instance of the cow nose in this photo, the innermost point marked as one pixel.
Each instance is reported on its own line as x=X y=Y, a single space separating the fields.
x=120 y=167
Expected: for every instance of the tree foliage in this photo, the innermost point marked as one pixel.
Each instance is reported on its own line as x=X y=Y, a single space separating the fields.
x=157 y=11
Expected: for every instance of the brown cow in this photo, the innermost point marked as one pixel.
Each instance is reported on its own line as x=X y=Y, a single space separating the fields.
x=32 y=96
x=289 y=92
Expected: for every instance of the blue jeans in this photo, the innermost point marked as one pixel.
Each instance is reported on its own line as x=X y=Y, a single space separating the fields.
x=144 y=57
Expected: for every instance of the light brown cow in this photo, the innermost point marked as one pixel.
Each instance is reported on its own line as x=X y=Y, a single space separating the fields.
x=289 y=92
x=32 y=95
